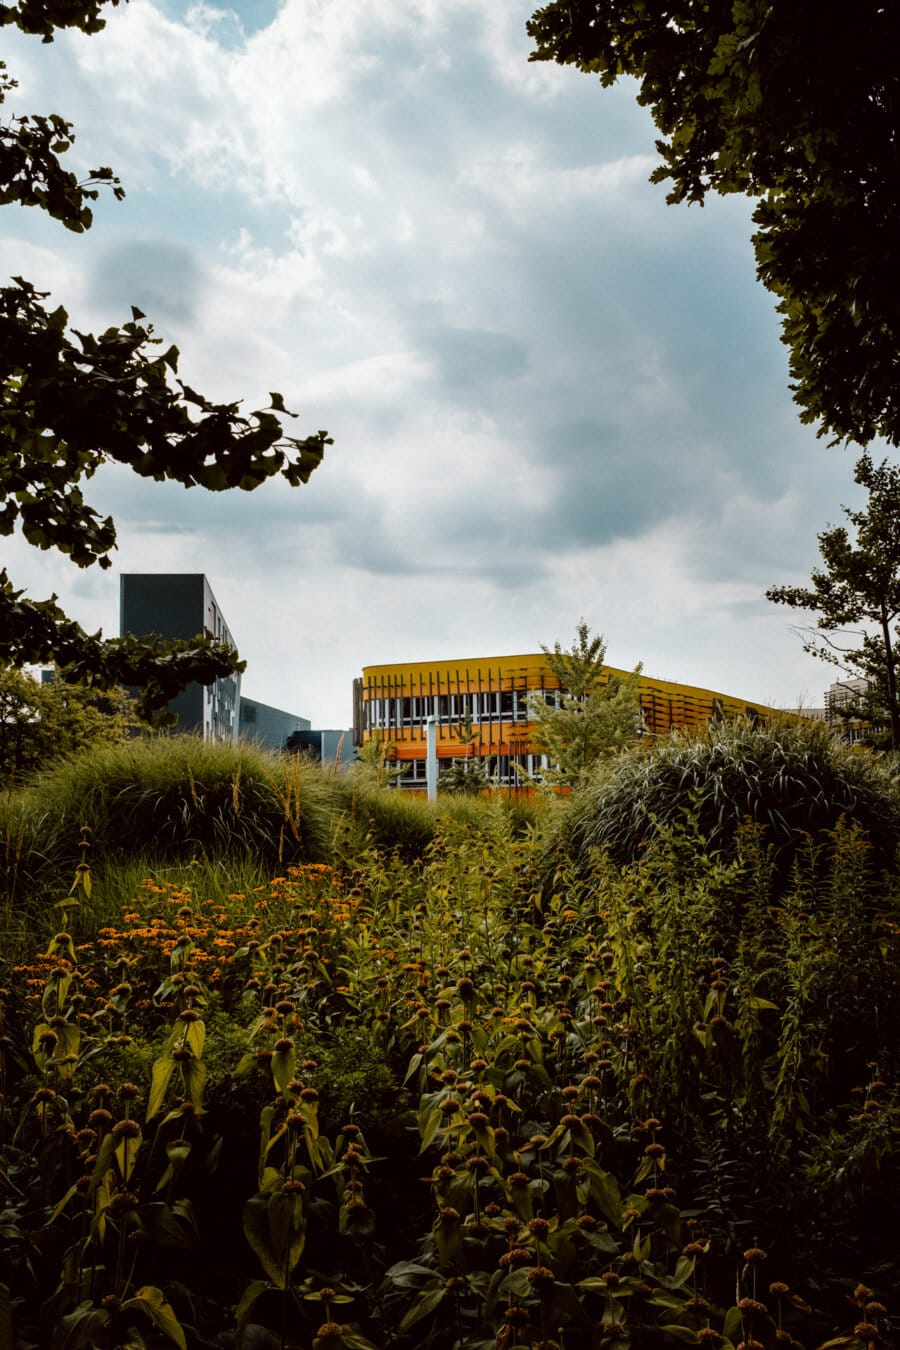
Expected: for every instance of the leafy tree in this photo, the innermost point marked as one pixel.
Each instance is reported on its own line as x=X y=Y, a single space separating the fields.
x=860 y=585
x=42 y=721
x=595 y=714
x=71 y=402
x=795 y=105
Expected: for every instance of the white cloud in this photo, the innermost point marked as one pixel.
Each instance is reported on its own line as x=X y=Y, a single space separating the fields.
x=551 y=394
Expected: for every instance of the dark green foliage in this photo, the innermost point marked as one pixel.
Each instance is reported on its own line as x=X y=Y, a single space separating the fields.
x=790 y=777
x=465 y=778
x=796 y=106
x=73 y=401
x=765 y=1026
x=42 y=16
x=406 y=1099
x=41 y=721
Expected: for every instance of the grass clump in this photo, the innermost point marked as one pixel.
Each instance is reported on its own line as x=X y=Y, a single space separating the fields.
x=791 y=778
x=212 y=817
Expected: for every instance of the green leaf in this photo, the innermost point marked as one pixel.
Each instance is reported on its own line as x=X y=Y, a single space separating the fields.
x=275 y=1227
x=194 y=1073
x=153 y=1302
x=161 y=1226
x=284 y=1067
x=83 y=1327
x=425 y=1304
x=678 y=1333
x=248 y=1300
x=126 y=1153
x=196 y=1037
x=159 y=1082
x=429 y=1124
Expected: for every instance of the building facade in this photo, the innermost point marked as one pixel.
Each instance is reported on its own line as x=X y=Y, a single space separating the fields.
x=268 y=726
x=490 y=696
x=173 y=605
x=332 y=748
x=842 y=700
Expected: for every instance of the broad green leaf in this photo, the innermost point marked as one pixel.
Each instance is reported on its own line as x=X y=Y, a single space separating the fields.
x=679 y=1333
x=160 y=1075
x=425 y=1304
x=194 y=1073
x=251 y=1294
x=153 y=1302
x=81 y=1328
x=126 y=1153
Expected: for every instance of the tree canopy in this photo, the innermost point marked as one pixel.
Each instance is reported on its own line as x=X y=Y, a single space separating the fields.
x=71 y=402
x=857 y=594
x=795 y=105
x=43 y=720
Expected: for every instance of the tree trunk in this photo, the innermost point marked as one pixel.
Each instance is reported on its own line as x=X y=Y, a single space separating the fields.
x=891 y=681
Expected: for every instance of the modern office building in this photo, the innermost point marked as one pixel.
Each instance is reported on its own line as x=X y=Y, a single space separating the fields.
x=172 y=605
x=269 y=726
x=491 y=693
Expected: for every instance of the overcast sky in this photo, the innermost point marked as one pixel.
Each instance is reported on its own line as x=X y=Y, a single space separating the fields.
x=551 y=394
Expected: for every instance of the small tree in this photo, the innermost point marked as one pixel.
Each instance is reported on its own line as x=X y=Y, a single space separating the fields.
x=43 y=721
x=376 y=762
x=857 y=595
x=468 y=776
x=595 y=714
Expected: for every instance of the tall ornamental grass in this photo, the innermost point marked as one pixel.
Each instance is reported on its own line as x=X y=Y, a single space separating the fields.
x=160 y=806
x=791 y=778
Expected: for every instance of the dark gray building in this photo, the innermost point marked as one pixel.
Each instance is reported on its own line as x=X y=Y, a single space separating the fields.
x=334 y=748
x=175 y=605
x=269 y=726
x=182 y=605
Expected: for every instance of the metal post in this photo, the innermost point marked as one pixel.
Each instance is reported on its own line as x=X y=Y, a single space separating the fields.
x=431 y=764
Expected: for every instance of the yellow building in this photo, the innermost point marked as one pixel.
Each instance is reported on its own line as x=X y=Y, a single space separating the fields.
x=394 y=703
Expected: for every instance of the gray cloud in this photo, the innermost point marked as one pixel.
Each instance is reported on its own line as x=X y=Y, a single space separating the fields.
x=161 y=278
x=549 y=391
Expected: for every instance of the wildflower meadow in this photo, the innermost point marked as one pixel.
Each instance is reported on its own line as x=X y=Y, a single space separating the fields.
x=470 y=1097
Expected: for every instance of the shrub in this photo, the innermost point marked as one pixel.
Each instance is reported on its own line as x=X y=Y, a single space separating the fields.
x=167 y=800
x=792 y=778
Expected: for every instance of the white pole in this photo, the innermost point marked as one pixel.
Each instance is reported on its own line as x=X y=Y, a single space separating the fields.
x=431 y=765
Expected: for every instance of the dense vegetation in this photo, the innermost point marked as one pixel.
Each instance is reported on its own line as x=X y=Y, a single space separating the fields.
x=398 y=1090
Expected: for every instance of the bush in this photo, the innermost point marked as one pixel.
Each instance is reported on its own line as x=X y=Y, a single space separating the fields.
x=156 y=807
x=791 y=778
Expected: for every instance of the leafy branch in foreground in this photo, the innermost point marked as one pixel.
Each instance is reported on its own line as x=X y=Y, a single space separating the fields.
x=800 y=115
x=70 y=406
x=36 y=632
x=71 y=402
